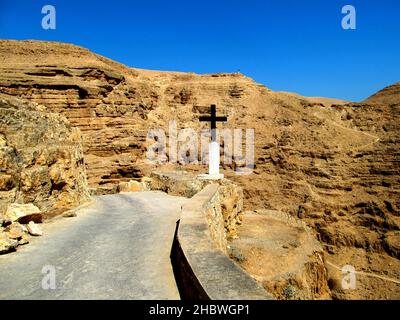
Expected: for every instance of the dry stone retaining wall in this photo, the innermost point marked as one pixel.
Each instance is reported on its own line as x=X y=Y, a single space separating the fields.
x=202 y=268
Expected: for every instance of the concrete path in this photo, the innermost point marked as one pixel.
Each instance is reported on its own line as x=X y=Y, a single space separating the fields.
x=117 y=248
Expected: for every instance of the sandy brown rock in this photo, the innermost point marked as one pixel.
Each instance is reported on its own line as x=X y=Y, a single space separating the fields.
x=375 y=274
x=34 y=229
x=15 y=231
x=388 y=95
x=41 y=162
x=24 y=240
x=176 y=182
x=327 y=161
x=282 y=254
x=6 y=244
x=131 y=186
x=22 y=213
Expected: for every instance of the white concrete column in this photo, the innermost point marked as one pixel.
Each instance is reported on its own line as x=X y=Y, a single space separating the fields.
x=213 y=164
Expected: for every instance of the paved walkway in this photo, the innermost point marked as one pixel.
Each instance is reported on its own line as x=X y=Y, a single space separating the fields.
x=117 y=248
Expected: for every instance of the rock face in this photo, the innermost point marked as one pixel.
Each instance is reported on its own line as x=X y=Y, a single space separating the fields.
x=388 y=95
x=281 y=253
x=22 y=213
x=108 y=102
x=42 y=169
x=178 y=183
x=333 y=164
x=41 y=160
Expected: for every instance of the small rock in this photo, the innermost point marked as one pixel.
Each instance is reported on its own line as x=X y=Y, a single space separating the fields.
x=290 y=292
x=235 y=254
x=7 y=244
x=15 y=231
x=34 y=229
x=69 y=214
x=131 y=186
x=301 y=212
x=23 y=240
x=22 y=213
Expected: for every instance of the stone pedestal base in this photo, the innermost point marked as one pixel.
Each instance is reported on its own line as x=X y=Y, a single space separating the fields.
x=218 y=176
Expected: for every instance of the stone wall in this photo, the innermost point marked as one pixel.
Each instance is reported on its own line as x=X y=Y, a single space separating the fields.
x=222 y=212
x=223 y=209
x=202 y=268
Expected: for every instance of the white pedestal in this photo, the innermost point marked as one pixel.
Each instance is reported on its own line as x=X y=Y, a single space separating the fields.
x=210 y=177
x=213 y=158
x=213 y=163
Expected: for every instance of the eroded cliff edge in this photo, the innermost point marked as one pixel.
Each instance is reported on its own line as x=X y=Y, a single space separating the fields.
x=331 y=163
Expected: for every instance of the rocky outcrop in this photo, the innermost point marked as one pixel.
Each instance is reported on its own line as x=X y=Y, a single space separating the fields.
x=42 y=169
x=331 y=163
x=41 y=160
x=283 y=254
x=106 y=101
x=23 y=213
x=388 y=95
x=308 y=152
x=178 y=183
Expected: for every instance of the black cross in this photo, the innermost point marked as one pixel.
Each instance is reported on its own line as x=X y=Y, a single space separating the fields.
x=213 y=119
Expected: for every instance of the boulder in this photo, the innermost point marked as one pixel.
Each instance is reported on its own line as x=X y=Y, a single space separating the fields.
x=34 y=229
x=15 y=231
x=23 y=240
x=70 y=214
x=41 y=158
x=177 y=183
x=22 y=213
x=131 y=186
x=7 y=244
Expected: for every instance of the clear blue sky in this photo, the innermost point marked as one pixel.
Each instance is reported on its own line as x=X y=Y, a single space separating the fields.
x=296 y=46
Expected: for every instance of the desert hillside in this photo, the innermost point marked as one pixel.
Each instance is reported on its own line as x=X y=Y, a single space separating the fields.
x=332 y=163
x=388 y=95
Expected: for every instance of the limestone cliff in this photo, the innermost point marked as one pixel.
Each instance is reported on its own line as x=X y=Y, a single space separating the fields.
x=332 y=163
x=41 y=158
